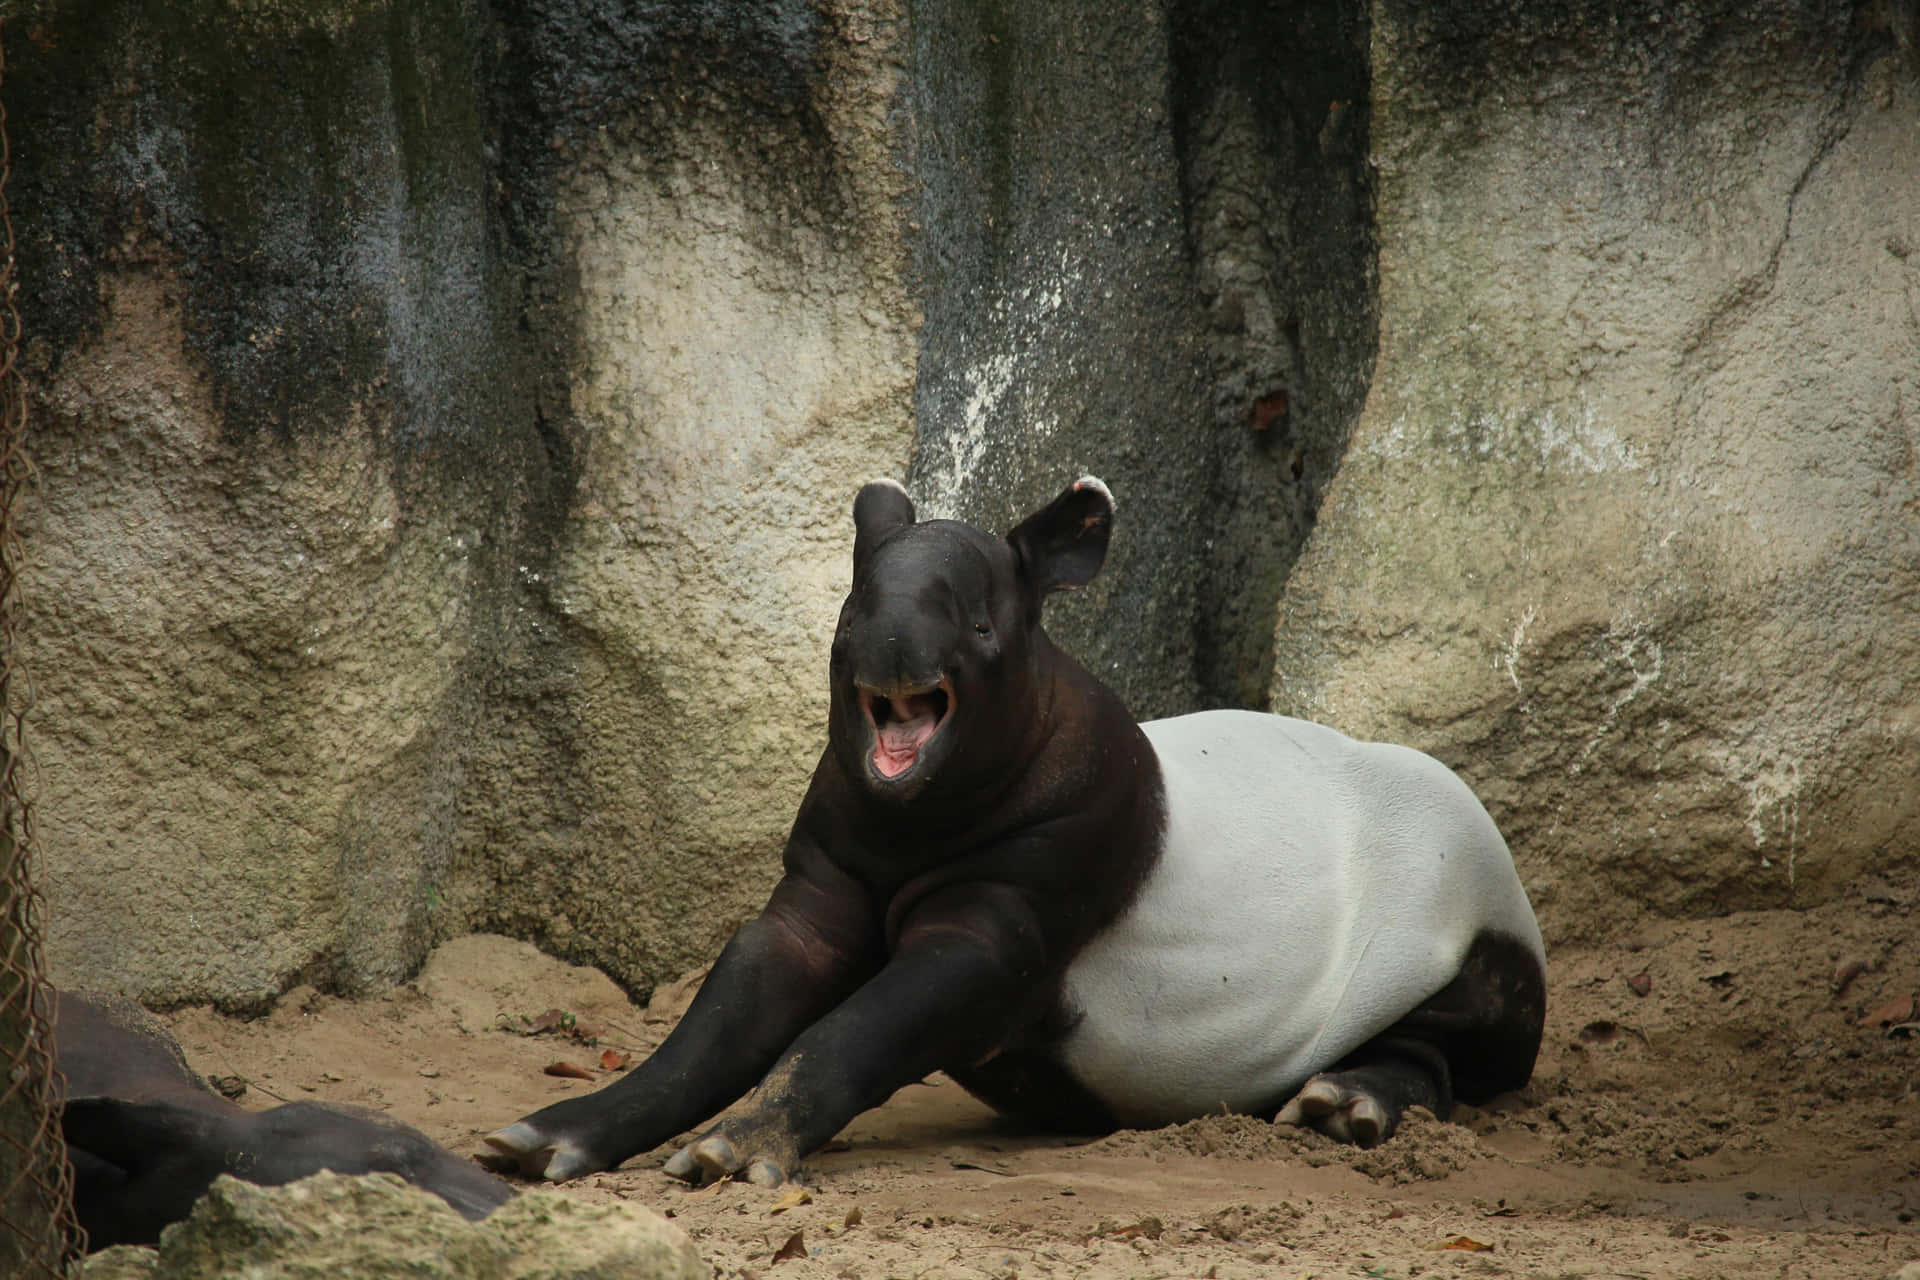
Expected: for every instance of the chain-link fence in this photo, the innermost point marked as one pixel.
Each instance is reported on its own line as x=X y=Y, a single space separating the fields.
x=37 y=1231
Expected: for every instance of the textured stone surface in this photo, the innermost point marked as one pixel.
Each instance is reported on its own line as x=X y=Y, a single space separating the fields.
x=282 y=485
x=1136 y=241
x=375 y=1226
x=741 y=360
x=447 y=426
x=447 y=417
x=1627 y=531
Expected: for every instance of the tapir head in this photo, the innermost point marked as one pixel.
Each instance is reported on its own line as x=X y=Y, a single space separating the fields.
x=936 y=659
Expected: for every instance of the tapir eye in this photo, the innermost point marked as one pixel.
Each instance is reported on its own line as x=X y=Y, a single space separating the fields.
x=981 y=628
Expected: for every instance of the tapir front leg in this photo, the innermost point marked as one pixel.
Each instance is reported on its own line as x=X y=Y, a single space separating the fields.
x=963 y=977
x=814 y=943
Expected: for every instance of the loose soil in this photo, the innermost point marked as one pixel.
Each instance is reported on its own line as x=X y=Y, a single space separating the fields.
x=1731 y=1097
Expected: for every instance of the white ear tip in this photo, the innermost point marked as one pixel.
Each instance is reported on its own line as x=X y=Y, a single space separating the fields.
x=890 y=483
x=1097 y=485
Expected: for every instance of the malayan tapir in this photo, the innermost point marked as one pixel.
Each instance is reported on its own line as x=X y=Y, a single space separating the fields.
x=1086 y=921
x=147 y=1136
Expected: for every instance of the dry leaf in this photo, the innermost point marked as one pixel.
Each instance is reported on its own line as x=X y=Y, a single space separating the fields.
x=791 y=1198
x=1601 y=1031
x=1898 y=1009
x=853 y=1216
x=1641 y=982
x=551 y=1020
x=984 y=1168
x=568 y=1070
x=1464 y=1243
x=611 y=1061
x=1844 y=975
x=795 y=1247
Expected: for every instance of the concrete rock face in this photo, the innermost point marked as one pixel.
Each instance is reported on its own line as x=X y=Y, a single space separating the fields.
x=376 y=1225
x=448 y=417
x=1142 y=257
x=280 y=485
x=1629 y=529
x=447 y=425
x=728 y=259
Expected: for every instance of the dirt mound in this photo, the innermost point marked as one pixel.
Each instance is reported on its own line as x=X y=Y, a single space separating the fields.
x=1424 y=1148
x=1726 y=1097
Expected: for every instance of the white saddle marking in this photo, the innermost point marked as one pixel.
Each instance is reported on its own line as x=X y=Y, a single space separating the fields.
x=1311 y=890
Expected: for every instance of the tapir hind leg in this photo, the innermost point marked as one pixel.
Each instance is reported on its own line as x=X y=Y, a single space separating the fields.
x=1473 y=1039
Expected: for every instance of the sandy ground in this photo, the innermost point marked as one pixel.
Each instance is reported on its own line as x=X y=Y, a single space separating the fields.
x=1756 y=1112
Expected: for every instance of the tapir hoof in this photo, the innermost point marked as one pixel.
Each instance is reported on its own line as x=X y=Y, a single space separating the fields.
x=521 y=1147
x=715 y=1157
x=1343 y=1114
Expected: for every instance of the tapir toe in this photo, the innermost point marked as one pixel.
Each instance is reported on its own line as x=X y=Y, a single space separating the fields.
x=717 y=1156
x=525 y=1149
x=1345 y=1108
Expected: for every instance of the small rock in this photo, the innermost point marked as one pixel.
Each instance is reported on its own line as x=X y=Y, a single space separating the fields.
x=377 y=1227
x=121 y=1262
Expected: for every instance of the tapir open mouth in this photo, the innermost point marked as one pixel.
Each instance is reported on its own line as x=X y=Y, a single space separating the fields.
x=903 y=723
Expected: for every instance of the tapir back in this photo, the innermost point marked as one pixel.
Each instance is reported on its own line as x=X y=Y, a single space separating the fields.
x=1380 y=864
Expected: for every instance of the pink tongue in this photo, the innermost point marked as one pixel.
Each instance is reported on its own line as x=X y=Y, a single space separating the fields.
x=902 y=737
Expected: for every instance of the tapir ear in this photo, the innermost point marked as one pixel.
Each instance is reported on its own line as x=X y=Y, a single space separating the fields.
x=1063 y=544
x=880 y=508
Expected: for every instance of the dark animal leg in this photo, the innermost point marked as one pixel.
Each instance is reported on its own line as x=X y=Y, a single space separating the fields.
x=965 y=948
x=1475 y=1038
x=780 y=972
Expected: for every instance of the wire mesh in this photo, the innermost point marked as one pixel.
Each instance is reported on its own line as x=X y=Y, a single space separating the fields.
x=37 y=1229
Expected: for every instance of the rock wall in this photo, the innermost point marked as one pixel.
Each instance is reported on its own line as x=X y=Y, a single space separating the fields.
x=447 y=423
x=1144 y=255
x=1629 y=530
x=448 y=414
x=729 y=268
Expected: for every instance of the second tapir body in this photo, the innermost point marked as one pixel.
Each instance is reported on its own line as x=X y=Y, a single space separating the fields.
x=147 y=1137
x=1086 y=921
